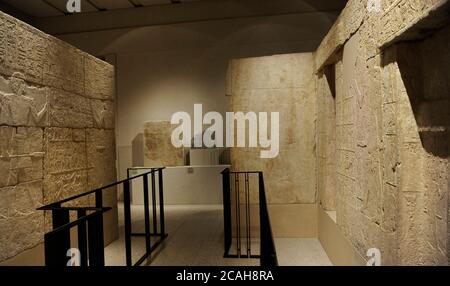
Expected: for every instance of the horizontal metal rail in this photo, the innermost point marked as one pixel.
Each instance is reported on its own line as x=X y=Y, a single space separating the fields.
x=91 y=239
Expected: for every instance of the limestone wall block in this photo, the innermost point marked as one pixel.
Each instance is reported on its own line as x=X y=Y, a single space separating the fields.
x=279 y=71
x=13 y=241
x=21 y=156
x=101 y=161
x=63 y=67
x=99 y=77
x=69 y=109
x=21 y=199
x=22 y=49
x=391 y=160
x=103 y=114
x=369 y=187
x=389 y=208
x=18 y=214
x=290 y=178
x=50 y=93
x=158 y=147
x=58 y=186
x=22 y=104
x=62 y=153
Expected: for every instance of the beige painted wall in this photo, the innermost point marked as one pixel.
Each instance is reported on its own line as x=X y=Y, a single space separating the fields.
x=168 y=68
x=56 y=134
x=185 y=185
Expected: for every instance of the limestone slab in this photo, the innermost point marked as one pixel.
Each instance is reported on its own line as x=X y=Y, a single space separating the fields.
x=63 y=67
x=22 y=104
x=22 y=49
x=159 y=150
x=99 y=75
x=69 y=109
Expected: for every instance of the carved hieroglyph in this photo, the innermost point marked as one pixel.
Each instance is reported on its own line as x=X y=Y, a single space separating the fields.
x=56 y=132
x=391 y=129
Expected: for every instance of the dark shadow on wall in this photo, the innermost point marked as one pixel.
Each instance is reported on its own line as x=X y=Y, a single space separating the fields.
x=330 y=74
x=419 y=86
x=137 y=150
x=424 y=67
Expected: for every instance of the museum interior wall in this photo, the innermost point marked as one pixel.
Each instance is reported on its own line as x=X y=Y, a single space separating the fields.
x=56 y=133
x=364 y=121
x=183 y=64
x=369 y=140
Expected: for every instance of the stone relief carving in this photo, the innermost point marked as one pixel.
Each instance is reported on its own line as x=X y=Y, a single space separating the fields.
x=103 y=114
x=49 y=95
x=17 y=108
x=99 y=113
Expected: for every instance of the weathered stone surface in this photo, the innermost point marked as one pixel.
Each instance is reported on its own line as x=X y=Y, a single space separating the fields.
x=63 y=154
x=326 y=137
x=21 y=199
x=158 y=147
x=69 y=109
x=381 y=28
x=22 y=49
x=18 y=215
x=281 y=84
x=103 y=114
x=65 y=164
x=277 y=71
x=101 y=158
x=21 y=104
x=63 y=67
x=51 y=94
x=392 y=146
x=20 y=234
x=99 y=79
x=21 y=155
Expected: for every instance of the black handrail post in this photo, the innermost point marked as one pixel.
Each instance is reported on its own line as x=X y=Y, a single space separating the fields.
x=90 y=226
x=155 y=222
x=82 y=239
x=226 y=210
x=99 y=221
x=56 y=246
x=247 y=215
x=96 y=245
x=146 y=214
x=161 y=203
x=238 y=213
x=127 y=222
x=268 y=253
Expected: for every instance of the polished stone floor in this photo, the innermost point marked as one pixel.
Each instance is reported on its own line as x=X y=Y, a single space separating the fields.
x=196 y=239
x=301 y=252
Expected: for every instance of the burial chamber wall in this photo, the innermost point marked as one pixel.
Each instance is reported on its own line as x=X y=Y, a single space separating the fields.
x=56 y=132
x=383 y=128
x=283 y=84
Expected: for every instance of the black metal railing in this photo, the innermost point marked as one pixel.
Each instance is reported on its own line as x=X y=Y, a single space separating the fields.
x=238 y=217
x=89 y=223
